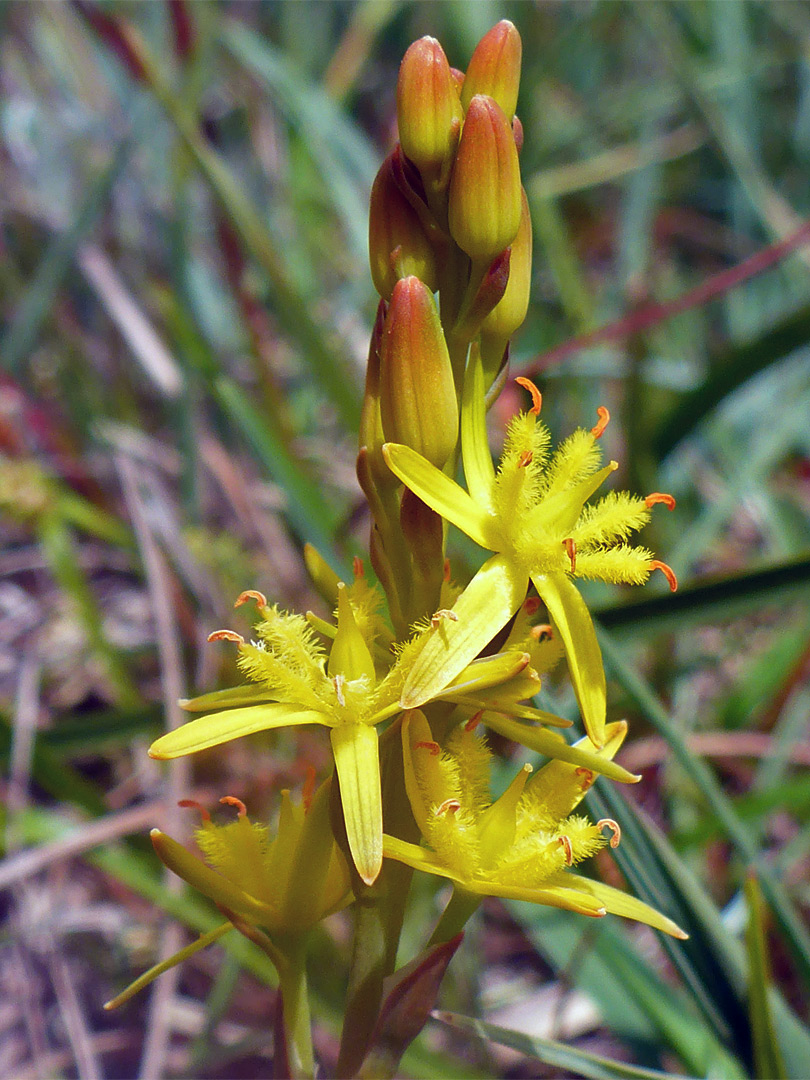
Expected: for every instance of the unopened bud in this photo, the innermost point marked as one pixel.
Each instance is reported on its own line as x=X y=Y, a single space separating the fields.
x=494 y=68
x=398 y=245
x=418 y=402
x=484 y=200
x=510 y=311
x=429 y=110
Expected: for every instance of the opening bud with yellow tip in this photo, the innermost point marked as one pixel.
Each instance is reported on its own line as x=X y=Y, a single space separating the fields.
x=418 y=401
x=398 y=245
x=494 y=68
x=484 y=200
x=429 y=112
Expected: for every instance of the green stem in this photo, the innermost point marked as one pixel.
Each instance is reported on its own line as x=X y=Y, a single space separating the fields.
x=292 y=974
x=461 y=906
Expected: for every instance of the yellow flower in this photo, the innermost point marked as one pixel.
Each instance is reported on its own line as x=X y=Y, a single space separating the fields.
x=532 y=514
x=522 y=845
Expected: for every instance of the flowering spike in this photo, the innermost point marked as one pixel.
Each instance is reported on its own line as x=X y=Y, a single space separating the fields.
x=570 y=546
x=192 y=804
x=226 y=635
x=604 y=420
x=660 y=497
x=251 y=594
x=537 y=397
x=231 y=800
x=667 y=571
x=614 y=827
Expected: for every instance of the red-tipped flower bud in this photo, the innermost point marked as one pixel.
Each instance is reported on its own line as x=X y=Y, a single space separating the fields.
x=398 y=245
x=510 y=311
x=484 y=200
x=418 y=402
x=429 y=110
x=494 y=68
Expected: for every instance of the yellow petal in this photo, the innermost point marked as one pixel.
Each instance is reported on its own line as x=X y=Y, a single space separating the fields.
x=553 y=745
x=207 y=731
x=489 y=672
x=357 y=761
x=568 y=899
x=418 y=857
x=560 y=512
x=479 y=471
x=349 y=655
x=440 y=493
x=428 y=790
x=561 y=786
x=497 y=825
x=573 y=621
x=617 y=902
x=486 y=605
x=227 y=699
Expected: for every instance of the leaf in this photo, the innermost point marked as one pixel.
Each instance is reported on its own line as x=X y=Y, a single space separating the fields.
x=767 y=1053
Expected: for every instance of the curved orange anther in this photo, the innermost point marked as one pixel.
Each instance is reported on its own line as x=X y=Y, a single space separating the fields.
x=537 y=397
x=571 y=549
x=565 y=844
x=531 y=604
x=609 y=823
x=446 y=570
x=442 y=613
x=667 y=571
x=192 y=804
x=588 y=776
x=525 y=459
x=449 y=806
x=308 y=790
x=604 y=420
x=251 y=594
x=660 y=497
x=358 y=567
x=542 y=632
x=433 y=747
x=474 y=721
x=231 y=800
x=226 y=635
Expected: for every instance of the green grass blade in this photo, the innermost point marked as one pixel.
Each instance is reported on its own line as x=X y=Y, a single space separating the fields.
x=767 y=1054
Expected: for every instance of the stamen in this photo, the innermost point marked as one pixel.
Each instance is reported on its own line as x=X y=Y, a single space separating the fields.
x=231 y=800
x=565 y=843
x=446 y=573
x=474 y=721
x=308 y=790
x=588 y=777
x=531 y=604
x=609 y=823
x=339 y=681
x=442 y=613
x=660 y=497
x=667 y=571
x=542 y=632
x=226 y=635
x=525 y=459
x=251 y=594
x=537 y=397
x=433 y=747
x=449 y=806
x=571 y=547
x=604 y=420
x=192 y=804
x=358 y=567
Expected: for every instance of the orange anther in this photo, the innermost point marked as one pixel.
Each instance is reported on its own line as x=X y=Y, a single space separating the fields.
x=442 y=613
x=433 y=747
x=571 y=549
x=588 y=776
x=565 y=844
x=446 y=571
x=660 y=497
x=604 y=420
x=226 y=635
x=609 y=823
x=449 y=806
x=308 y=789
x=192 y=804
x=542 y=632
x=251 y=594
x=525 y=459
x=358 y=567
x=231 y=800
x=537 y=397
x=474 y=721
x=531 y=604
x=667 y=571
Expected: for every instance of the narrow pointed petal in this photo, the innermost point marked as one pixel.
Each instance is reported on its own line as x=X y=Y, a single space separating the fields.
x=349 y=654
x=492 y=702
x=357 y=760
x=561 y=510
x=561 y=786
x=227 y=699
x=207 y=731
x=417 y=857
x=488 y=672
x=617 y=902
x=553 y=745
x=479 y=471
x=486 y=605
x=569 y=899
x=498 y=823
x=573 y=621
x=440 y=493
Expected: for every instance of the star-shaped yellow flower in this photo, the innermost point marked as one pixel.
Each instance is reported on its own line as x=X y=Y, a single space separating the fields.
x=532 y=513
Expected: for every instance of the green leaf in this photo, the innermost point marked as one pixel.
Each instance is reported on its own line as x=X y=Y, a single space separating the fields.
x=767 y=1054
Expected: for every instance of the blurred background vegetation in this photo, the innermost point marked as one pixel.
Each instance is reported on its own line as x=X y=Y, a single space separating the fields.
x=184 y=313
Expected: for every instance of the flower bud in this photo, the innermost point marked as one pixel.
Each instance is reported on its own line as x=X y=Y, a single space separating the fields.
x=510 y=311
x=484 y=200
x=429 y=111
x=494 y=68
x=398 y=245
x=418 y=401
